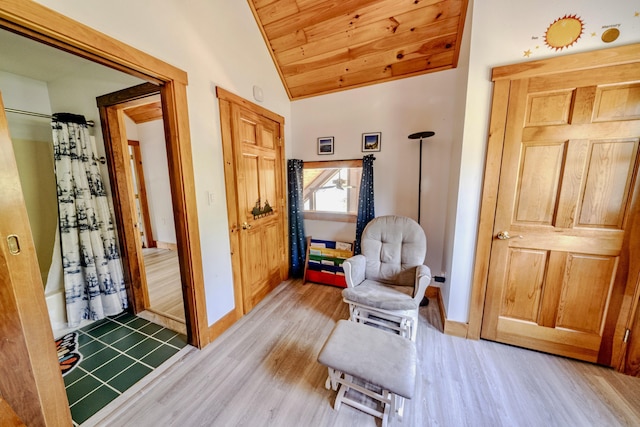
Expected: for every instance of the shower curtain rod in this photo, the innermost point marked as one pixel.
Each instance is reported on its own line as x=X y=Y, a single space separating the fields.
x=46 y=116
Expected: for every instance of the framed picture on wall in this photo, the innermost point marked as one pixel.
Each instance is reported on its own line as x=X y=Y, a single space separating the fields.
x=325 y=145
x=371 y=141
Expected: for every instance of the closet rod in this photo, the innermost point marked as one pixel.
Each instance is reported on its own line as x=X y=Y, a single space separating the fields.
x=46 y=116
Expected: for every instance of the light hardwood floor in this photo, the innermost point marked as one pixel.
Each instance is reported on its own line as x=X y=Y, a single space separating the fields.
x=163 y=283
x=263 y=372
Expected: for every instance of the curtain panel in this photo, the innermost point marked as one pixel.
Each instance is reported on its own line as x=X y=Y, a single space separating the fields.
x=92 y=269
x=297 y=238
x=366 y=205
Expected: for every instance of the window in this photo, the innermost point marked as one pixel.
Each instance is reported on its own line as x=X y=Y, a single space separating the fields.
x=331 y=190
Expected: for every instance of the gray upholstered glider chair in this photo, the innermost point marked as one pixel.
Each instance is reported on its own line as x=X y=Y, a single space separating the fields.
x=387 y=281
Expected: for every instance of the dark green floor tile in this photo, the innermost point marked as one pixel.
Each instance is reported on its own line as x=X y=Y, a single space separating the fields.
x=150 y=329
x=164 y=335
x=160 y=355
x=129 y=377
x=179 y=341
x=137 y=323
x=113 y=367
x=84 y=338
x=81 y=388
x=73 y=376
x=144 y=348
x=85 y=408
x=91 y=348
x=103 y=329
x=92 y=362
x=129 y=341
x=116 y=335
x=123 y=317
x=93 y=325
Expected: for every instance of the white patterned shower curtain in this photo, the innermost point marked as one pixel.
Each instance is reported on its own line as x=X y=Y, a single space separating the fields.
x=93 y=280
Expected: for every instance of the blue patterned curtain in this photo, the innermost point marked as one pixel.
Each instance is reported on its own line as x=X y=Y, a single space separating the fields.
x=297 y=238
x=366 y=208
x=93 y=280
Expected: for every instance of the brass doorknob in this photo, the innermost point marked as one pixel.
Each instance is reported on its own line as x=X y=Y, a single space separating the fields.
x=246 y=226
x=504 y=235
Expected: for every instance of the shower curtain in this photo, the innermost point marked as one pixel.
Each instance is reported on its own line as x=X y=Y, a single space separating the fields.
x=93 y=279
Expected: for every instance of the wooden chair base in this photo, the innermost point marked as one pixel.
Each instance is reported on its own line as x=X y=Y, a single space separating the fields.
x=342 y=383
x=404 y=324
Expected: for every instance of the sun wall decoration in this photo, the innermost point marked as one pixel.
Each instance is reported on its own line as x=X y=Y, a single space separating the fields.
x=564 y=32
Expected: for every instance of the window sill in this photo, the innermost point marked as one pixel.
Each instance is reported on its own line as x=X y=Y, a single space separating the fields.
x=331 y=216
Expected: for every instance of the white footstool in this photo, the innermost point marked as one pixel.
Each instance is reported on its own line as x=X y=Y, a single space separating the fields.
x=378 y=357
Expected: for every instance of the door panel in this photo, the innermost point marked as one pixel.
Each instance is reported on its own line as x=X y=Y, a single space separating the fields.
x=569 y=168
x=30 y=377
x=585 y=291
x=540 y=175
x=609 y=174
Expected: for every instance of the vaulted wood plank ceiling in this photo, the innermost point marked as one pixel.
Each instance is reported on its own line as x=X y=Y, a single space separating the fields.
x=324 y=46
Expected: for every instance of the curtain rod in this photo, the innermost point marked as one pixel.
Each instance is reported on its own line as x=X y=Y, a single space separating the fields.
x=45 y=116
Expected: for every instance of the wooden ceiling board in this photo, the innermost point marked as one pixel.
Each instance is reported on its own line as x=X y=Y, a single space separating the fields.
x=145 y=113
x=374 y=59
x=433 y=40
x=412 y=25
x=323 y=46
x=379 y=75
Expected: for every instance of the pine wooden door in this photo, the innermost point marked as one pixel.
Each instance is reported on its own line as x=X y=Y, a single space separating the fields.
x=255 y=183
x=260 y=207
x=30 y=378
x=568 y=181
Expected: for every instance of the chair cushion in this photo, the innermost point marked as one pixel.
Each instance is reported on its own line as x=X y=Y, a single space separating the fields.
x=382 y=296
x=392 y=244
x=376 y=356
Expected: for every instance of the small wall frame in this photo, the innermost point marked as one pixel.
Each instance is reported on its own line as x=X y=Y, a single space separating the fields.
x=371 y=141
x=325 y=145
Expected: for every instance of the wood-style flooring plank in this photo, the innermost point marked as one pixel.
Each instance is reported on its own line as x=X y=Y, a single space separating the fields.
x=163 y=282
x=263 y=372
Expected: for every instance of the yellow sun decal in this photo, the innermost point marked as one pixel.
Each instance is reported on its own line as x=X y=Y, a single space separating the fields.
x=564 y=32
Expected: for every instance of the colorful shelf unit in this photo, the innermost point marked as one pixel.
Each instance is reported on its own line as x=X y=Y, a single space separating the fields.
x=324 y=261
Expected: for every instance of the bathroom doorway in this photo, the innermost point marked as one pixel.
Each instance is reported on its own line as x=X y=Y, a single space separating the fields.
x=42 y=24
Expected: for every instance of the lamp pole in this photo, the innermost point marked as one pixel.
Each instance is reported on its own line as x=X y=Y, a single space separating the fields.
x=420 y=136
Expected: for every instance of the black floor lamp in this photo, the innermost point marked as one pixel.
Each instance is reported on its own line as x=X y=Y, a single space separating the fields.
x=421 y=136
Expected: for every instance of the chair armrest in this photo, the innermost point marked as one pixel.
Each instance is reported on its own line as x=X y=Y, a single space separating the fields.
x=423 y=278
x=354 y=269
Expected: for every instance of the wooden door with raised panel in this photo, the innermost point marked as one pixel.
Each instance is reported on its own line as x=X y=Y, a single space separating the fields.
x=260 y=198
x=568 y=181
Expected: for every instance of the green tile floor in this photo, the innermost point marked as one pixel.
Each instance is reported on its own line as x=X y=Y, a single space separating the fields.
x=117 y=352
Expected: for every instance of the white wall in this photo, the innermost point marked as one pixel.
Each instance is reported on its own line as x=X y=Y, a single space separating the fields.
x=26 y=94
x=397 y=109
x=156 y=174
x=217 y=42
x=156 y=178
x=502 y=33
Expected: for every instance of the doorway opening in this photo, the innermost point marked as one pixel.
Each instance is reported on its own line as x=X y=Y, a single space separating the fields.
x=137 y=152
x=41 y=374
